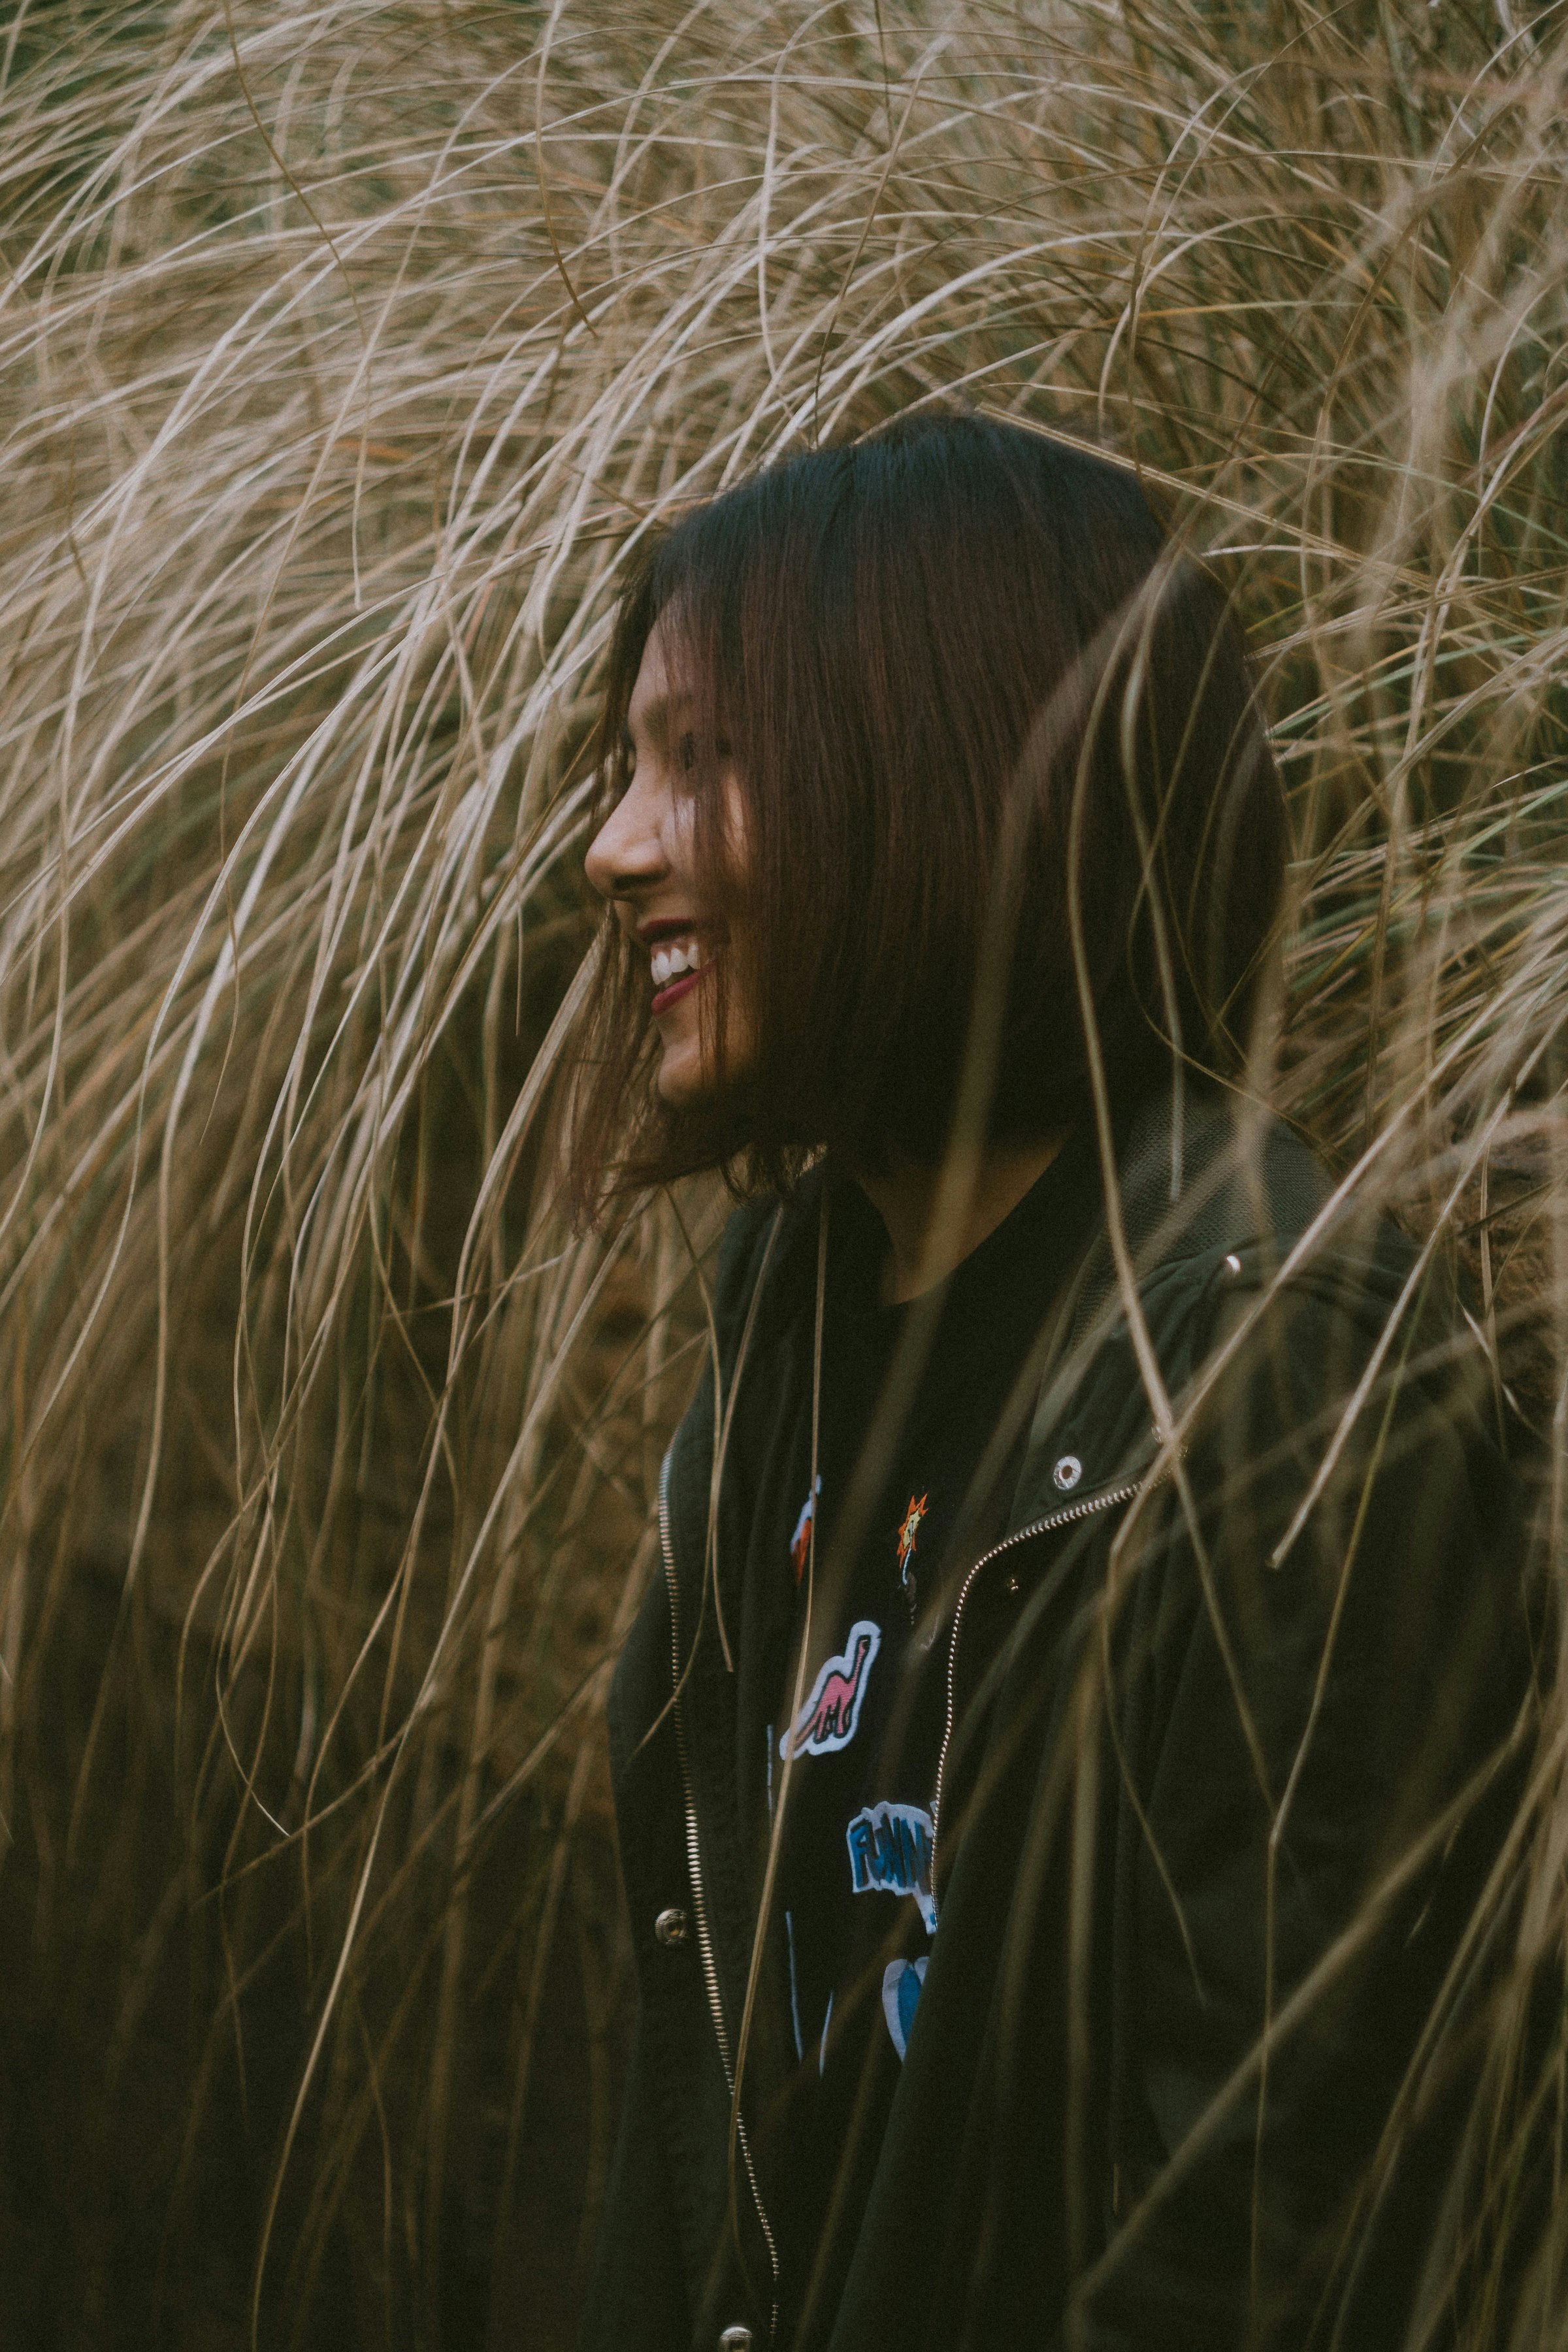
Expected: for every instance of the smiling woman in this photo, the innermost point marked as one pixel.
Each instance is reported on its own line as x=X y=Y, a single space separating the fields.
x=1060 y=1767
x=924 y=830
x=645 y=859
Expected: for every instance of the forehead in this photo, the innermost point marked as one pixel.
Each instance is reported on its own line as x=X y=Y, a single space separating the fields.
x=665 y=688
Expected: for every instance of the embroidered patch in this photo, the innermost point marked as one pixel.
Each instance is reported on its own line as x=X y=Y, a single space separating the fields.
x=800 y=1542
x=909 y=1529
x=901 y=1982
x=831 y=1715
x=889 y=1854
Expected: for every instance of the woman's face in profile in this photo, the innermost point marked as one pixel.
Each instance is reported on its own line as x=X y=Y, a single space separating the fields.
x=643 y=860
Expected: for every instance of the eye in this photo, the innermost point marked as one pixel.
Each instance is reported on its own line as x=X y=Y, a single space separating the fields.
x=685 y=752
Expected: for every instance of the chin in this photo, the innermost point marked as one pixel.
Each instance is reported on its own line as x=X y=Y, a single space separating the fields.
x=686 y=1080
x=684 y=1086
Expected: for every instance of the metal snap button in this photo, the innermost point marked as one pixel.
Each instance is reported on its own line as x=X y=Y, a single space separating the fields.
x=672 y=1927
x=1232 y=1263
x=735 y=2339
x=1067 y=1472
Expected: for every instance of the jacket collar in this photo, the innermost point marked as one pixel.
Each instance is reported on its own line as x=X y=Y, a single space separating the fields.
x=1198 y=1175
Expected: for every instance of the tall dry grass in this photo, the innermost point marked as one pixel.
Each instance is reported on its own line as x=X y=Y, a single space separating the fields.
x=345 y=353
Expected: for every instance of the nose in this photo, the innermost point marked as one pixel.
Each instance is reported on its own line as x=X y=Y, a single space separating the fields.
x=627 y=853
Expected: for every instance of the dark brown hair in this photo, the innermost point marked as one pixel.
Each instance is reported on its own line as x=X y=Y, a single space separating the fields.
x=980 y=707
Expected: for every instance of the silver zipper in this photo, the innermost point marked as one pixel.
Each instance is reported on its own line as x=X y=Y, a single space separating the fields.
x=1083 y=1509
x=698 y=1904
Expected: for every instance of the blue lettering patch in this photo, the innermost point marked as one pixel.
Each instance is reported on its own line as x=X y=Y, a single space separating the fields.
x=889 y=1854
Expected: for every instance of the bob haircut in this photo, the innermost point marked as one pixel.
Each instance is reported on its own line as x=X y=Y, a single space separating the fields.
x=1006 y=790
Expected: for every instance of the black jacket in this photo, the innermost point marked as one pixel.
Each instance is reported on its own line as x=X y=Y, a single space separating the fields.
x=1190 y=1794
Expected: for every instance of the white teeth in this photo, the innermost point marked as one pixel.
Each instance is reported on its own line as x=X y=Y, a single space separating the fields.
x=668 y=963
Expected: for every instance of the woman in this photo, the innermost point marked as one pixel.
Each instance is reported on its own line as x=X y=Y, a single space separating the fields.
x=1058 y=1762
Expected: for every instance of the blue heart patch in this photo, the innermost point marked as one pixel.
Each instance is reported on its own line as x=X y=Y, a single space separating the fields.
x=901 y=1982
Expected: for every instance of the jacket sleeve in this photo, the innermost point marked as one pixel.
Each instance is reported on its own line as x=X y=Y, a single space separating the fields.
x=1319 y=1745
x=637 y=2299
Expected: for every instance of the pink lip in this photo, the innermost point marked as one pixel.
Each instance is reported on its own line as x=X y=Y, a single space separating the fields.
x=678 y=989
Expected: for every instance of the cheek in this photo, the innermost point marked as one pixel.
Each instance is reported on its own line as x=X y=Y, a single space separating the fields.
x=737 y=828
x=682 y=1075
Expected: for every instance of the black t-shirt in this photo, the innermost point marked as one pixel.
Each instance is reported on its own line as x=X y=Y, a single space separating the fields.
x=902 y=1514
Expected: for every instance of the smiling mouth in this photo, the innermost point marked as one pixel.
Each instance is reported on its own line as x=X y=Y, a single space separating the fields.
x=667 y=997
x=675 y=965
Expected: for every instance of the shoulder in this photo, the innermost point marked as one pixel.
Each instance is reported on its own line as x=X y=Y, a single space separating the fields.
x=1255 y=1278
x=1211 y=1200
x=1220 y=1200
x=1211 y=1174
x=1335 y=1405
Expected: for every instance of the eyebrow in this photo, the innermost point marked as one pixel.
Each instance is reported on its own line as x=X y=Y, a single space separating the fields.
x=657 y=713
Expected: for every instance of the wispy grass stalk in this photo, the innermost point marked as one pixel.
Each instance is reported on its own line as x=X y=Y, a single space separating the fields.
x=346 y=354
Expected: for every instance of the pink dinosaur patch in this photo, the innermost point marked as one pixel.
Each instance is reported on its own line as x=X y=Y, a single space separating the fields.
x=831 y=1715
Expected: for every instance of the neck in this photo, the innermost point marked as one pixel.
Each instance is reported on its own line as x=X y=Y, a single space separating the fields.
x=935 y=1216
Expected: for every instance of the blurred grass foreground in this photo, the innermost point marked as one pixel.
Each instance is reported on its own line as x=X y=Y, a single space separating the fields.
x=345 y=353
